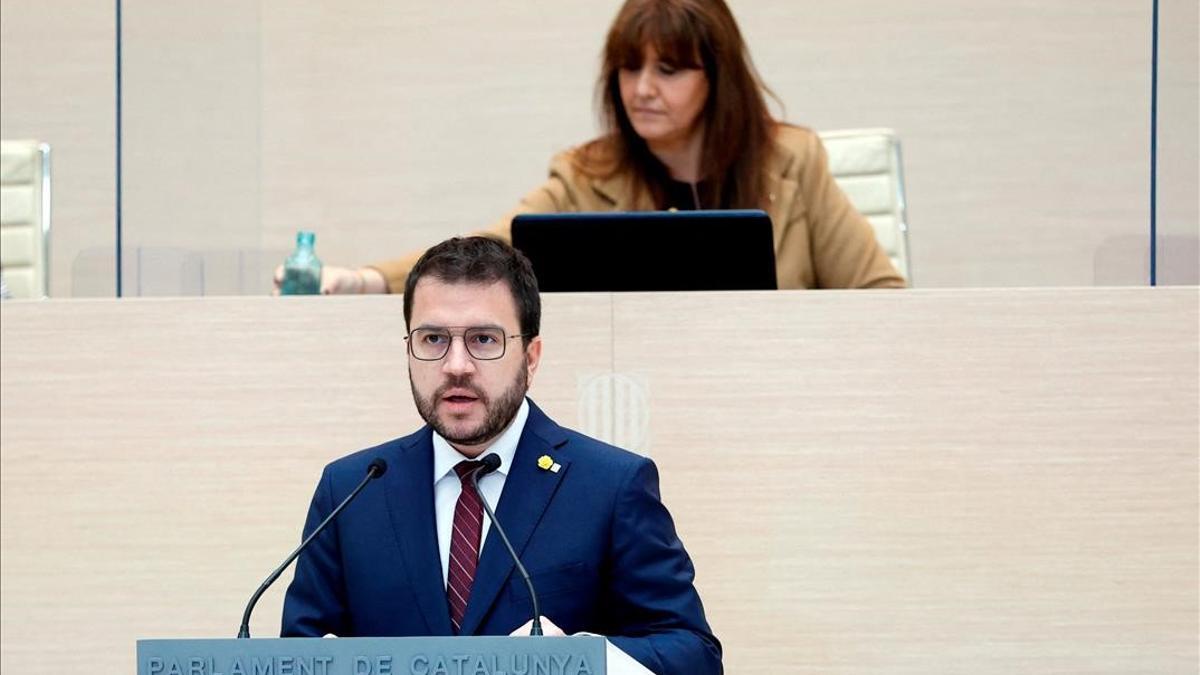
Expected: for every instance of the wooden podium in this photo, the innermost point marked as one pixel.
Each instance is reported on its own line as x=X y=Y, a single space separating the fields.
x=578 y=655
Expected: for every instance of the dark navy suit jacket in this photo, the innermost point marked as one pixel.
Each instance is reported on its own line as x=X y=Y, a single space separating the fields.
x=598 y=543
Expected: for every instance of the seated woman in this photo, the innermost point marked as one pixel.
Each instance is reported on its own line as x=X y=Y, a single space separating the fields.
x=688 y=128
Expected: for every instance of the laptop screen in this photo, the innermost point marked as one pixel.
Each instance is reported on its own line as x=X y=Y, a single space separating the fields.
x=649 y=250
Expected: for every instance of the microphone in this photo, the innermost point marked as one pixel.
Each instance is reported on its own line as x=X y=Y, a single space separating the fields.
x=375 y=469
x=491 y=462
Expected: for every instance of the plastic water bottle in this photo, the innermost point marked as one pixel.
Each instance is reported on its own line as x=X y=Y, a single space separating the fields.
x=302 y=269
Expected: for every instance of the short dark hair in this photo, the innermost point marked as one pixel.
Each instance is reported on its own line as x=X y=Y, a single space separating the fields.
x=481 y=260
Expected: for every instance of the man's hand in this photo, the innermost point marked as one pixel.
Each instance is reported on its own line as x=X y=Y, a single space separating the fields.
x=548 y=628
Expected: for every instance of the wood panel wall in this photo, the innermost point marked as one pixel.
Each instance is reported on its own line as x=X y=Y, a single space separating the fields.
x=930 y=481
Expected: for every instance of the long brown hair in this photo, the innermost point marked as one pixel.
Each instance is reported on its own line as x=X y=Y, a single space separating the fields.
x=738 y=127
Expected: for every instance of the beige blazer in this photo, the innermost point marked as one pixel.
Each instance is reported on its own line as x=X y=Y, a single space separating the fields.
x=821 y=241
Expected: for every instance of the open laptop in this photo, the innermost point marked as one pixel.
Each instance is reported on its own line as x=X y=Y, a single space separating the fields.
x=649 y=250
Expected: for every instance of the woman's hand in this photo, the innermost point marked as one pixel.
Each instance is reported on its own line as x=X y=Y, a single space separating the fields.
x=343 y=280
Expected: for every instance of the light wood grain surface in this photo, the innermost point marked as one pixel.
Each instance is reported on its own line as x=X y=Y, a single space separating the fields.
x=933 y=481
x=970 y=482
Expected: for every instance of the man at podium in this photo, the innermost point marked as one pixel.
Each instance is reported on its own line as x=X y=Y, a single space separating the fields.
x=416 y=553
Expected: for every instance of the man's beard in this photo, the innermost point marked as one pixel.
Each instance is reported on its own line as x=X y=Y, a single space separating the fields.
x=499 y=414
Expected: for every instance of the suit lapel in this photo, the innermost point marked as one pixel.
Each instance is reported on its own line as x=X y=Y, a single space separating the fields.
x=527 y=492
x=618 y=193
x=410 y=506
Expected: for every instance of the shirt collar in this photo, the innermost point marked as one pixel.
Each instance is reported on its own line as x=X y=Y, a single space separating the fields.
x=445 y=457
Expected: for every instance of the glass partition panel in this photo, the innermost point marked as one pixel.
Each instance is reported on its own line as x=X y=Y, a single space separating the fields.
x=191 y=144
x=57 y=73
x=385 y=127
x=1178 y=214
x=1025 y=126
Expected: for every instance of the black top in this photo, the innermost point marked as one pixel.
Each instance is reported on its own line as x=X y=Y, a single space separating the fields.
x=680 y=196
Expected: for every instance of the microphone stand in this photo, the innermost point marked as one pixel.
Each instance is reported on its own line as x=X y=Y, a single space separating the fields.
x=489 y=466
x=375 y=470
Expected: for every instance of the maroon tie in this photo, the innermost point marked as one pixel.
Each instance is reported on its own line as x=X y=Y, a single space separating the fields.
x=464 y=545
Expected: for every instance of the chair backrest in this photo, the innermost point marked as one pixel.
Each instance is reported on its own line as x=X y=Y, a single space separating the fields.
x=25 y=218
x=866 y=164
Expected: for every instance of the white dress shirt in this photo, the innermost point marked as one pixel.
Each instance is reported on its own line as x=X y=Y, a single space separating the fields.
x=447 y=486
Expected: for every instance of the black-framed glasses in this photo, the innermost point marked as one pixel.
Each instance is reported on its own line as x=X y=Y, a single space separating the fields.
x=482 y=343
